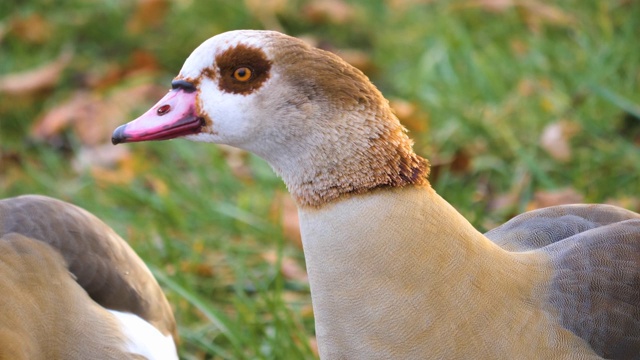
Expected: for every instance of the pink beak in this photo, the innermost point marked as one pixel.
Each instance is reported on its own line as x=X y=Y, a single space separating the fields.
x=173 y=116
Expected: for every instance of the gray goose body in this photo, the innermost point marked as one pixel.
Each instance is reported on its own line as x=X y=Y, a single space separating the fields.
x=61 y=270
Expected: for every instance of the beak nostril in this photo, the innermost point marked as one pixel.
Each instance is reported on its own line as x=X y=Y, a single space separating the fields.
x=163 y=109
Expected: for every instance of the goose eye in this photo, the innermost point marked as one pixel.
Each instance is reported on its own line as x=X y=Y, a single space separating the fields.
x=242 y=74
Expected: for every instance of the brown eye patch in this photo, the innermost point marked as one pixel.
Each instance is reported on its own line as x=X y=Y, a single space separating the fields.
x=232 y=61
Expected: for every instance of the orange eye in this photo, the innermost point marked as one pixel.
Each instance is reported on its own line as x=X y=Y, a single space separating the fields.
x=242 y=74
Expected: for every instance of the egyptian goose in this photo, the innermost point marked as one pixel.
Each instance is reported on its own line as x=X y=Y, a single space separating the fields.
x=71 y=288
x=395 y=271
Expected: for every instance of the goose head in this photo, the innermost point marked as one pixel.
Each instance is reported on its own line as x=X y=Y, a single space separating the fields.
x=318 y=121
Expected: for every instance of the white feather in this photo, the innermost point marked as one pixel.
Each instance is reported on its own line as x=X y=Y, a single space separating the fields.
x=144 y=339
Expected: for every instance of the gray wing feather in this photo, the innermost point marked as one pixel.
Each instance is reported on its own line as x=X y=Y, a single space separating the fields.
x=595 y=286
x=539 y=228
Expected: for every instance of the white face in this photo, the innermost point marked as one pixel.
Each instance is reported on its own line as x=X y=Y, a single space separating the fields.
x=247 y=115
x=264 y=92
x=232 y=121
x=231 y=90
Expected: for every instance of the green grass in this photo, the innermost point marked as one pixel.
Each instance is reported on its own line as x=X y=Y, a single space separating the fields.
x=469 y=69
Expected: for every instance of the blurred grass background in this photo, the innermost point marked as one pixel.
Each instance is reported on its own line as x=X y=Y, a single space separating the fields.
x=518 y=103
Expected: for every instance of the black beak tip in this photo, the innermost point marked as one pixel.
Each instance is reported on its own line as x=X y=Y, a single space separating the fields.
x=119 y=135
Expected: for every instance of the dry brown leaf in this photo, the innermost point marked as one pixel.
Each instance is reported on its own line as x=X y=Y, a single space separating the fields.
x=127 y=169
x=141 y=63
x=534 y=12
x=199 y=269
x=290 y=221
x=313 y=344
x=542 y=199
x=629 y=128
x=287 y=211
x=289 y=267
x=399 y=7
x=526 y=87
x=555 y=139
x=149 y=14
x=507 y=202
x=537 y=13
x=283 y=210
x=460 y=162
x=237 y=161
x=101 y=156
x=33 y=28
x=41 y=78
x=518 y=47
x=3 y=31
x=358 y=59
x=310 y=39
x=266 y=6
x=157 y=185
x=92 y=116
x=11 y=168
x=410 y=115
x=266 y=12
x=80 y=105
x=496 y=6
x=328 y=11
x=627 y=202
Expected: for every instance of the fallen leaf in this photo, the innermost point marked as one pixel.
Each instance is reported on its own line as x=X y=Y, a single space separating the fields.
x=313 y=344
x=627 y=202
x=518 y=47
x=410 y=115
x=535 y=13
x=629 y=127
x=497 y=6
x=267 y=11
x=542 y=199
x=555 y=139
x=3 y=31
x=507 y=203
x=237 y=161
x=266 y=6
x=199 y=269
x=310 y=39
x=284 y=209
x=126 y=170
x=41 y=78
x=290 y=221
x=102 y=156
x=141 y=64
x=9 y=158
x=33 y=28
x=526 y=87
x=289 y=267
x=81 y=104
x=460 y=162
x=358 y=59
x=11 y=168
x=400 y=7
x=93 y=116
x=149 y=14
x=157 y=185
x=328 y=11
x=142 y=61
